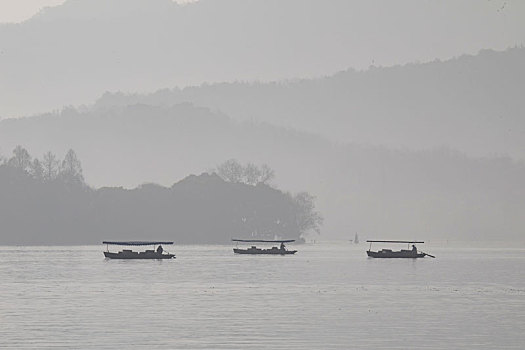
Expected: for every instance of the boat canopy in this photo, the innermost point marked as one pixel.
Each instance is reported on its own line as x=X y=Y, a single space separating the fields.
x=136 y=242
x=406 y=242
x=263 y=241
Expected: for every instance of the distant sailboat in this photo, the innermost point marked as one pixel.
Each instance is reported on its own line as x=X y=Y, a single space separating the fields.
x=356 y=239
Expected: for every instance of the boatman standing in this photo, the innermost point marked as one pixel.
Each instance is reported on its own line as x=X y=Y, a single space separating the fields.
x=160 y=249
x=414 y=249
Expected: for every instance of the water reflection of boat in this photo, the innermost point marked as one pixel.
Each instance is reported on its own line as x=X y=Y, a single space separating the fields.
x=157 y=253
x=403 y=253
x=270 y=251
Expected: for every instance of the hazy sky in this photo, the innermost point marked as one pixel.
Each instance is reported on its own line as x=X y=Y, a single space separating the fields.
x=20 y=10
x=494 y=24
x=249 y=40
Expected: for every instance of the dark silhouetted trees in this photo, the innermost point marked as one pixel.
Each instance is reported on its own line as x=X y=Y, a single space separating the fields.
x=49 y=168
x=43 y=203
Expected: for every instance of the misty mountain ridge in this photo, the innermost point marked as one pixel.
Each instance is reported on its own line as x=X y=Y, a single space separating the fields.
x=439 y=194
x=70 y=54
x=142 y=45
x=114 y=137
x=470 y=103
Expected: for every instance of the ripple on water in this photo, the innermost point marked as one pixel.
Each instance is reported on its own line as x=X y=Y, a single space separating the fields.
x=325 y=297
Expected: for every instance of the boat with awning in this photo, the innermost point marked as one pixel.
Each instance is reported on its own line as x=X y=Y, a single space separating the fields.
x=157 y=252
x=281 y=250
x=403 y=253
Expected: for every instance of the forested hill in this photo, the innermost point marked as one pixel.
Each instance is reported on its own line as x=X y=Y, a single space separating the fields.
x=471 y=103
x=392 y=193
x=36 y=209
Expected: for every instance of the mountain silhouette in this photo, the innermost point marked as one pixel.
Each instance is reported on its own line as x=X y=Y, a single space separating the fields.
x=471 y=103
x=70 y=54
x=437 y=194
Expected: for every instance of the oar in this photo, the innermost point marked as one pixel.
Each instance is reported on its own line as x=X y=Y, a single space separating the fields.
x=432 y=256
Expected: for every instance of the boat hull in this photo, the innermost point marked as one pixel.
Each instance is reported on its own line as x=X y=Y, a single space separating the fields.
x=258 y=251
x=138 y=255
x=388 y=254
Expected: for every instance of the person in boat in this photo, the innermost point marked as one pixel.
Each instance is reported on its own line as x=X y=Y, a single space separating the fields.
x=414 y=249
x=160 y=249
x=282 y=246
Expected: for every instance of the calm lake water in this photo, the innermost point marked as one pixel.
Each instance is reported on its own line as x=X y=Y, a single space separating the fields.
x=328 y=296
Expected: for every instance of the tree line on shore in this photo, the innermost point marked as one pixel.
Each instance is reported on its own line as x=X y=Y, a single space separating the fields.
x=49 y=168
x=47 y=201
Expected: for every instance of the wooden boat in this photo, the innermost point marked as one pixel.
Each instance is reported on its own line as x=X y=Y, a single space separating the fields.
x=270 y=251
x=157 y=253
x=403 y=253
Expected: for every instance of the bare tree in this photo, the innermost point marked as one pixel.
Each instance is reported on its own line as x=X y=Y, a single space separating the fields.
x=71 y=169
x=231 y=171
x=267 y=174
x=36 y=169
x=50 y=164
x=21 y=159
x=251 y=174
